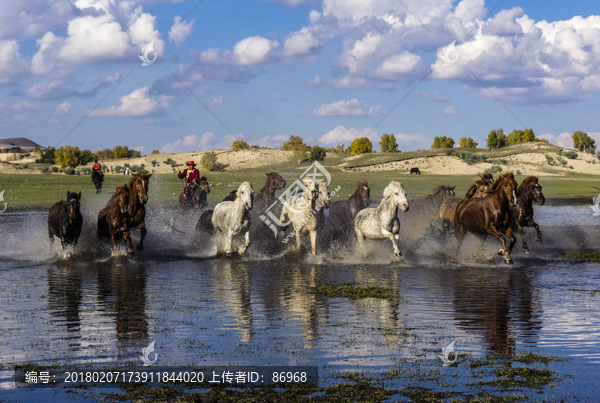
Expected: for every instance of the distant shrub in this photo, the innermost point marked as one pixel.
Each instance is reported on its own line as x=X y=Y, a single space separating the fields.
x=54 y=169
x=169 y=161
x=154 y=162
x=493 y=169
x=317 y=154
x=209 y=162
x=469 y=158
x=86 y=171
x=44 y=170
x=569 y=154
x=550 y=160
x=136 y=168
x=155 y=152
x=118 y=169
x=562 y=161
x=69 y=170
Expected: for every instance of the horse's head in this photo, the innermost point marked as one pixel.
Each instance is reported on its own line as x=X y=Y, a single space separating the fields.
x=274 y=181
x=396 y=192
x=532 y=189
x=444 y=192
x=509 y=187
x=311 y=187
x=245 y=195
x=204 y=185
x=365 y=193
x=324 y=197
x=122 y=198
x=140 y=186
x=487 y=180
x=73 y=204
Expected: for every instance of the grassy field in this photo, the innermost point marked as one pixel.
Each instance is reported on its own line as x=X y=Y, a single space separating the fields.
x=39 y=192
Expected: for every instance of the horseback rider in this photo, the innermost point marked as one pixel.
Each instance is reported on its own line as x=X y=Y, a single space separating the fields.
x=191 y=174
x=97 y=171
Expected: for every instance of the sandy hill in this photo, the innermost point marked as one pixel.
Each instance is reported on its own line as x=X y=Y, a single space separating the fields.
x=21 y=142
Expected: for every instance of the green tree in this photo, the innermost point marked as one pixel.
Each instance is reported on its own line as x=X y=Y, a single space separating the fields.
x=583 y=142
x=529 y=135
x=296 y=144
x=502 y=138
x=467 y=142
x=515 y=137
x=442 y=142
x=239 y=145
x=87 y=156
x=492 y=140
x=388 y=144
x=317 y=154
x=106 y=154
x=155 y=152
x=361 y=145
x=48 y=156
x=68 y=156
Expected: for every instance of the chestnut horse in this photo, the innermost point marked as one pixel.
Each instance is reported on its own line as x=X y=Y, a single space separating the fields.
x=342 y=213
x=490 y=215
x=477 y=191
x=198 y=194
x=65 y=220
x=113 y=220
x=522 y=214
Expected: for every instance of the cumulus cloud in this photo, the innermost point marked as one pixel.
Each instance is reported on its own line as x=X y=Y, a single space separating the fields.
x=302 y=42
x=205 y=142
x=12 y=65
x=181 y=30
x=451 y=110
x=253 y=50
x=564 y=139
x=136 y=104
x=432 y=96
x=63 y=108
x=315 y=82
x=342 y=135
x=216 y=101
x=353 y=107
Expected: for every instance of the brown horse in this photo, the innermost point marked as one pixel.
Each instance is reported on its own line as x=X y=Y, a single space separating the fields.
x=477 y=191
x=114 y=220
x=65 y=220
x=342 y=213
x=97 y=178
x=422 y=211
x=198 y=194
x=489 y=215
x=522 y=214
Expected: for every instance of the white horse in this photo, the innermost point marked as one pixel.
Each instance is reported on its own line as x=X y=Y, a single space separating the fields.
x=231 y=219
x=307 y=212
x=382 y=222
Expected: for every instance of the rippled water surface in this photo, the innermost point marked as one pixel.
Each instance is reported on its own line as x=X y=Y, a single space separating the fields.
x=93 y=309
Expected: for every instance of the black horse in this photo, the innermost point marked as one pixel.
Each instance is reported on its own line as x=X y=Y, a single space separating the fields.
x=65 y=220
x=415 y=171
x=97 y=178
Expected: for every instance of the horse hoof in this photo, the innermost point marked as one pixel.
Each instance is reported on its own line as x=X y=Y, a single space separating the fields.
x=539 y=240
x=509 y=261
x=501 y=252
x=526 y=251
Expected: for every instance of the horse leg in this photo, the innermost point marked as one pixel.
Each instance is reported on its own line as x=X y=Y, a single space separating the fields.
x=143 y=232
x=298 y=240
x=533 y=224
x=460 y=234
x=313 y=242
x=113 y=242
x=395 y=241
x=247 y=243
x=493 y=231
x=229 y=242
x=522 y=235
x=127 y=236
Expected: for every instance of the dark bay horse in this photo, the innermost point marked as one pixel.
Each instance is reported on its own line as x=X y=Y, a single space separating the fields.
x=522 y=214
x=490 y=215
x=65 y=220
x=342 y=213
x=477 y=191
x=422 y=211
x=114 y=220
x=97 y=178
x=198 y=195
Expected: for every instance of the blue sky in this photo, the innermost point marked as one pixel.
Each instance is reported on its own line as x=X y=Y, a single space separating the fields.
x=328 y=71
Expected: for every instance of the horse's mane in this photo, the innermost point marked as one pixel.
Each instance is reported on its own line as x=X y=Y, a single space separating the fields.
x=439 y=189
x=390 y=188
x=500 y=179
x=122 y=187
x=239 y=193
x=526 y=182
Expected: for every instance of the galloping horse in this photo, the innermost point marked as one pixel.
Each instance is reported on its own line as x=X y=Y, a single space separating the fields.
x=231 y=219
x=199 y=190
x=342 y=213
x=382 y=222
x=301 y=211
x=114 y=219
x=522 y=213
x=490 y=215
x=478 y=190
x=97 y=178
x=422 y=211
x=65 y=220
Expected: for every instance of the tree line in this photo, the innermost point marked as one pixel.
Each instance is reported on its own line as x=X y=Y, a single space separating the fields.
x=70 y=156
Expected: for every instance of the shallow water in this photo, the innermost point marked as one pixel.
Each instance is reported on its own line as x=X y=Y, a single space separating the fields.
x=96 y=310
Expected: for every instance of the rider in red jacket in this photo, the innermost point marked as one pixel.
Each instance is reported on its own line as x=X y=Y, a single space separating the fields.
x=191 y=174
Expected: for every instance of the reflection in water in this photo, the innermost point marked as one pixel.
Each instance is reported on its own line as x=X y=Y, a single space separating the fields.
x=122 y=294
x=499 y=305
x=64 y=296
x=232 y=289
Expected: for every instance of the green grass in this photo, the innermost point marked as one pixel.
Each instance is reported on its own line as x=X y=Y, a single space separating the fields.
x=352 y=291
x=587 y=256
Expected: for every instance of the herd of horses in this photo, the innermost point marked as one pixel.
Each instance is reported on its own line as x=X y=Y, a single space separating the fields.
x=498 y=207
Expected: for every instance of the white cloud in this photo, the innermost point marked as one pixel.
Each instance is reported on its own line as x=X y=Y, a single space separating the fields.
x=63 y=108
x=315 y=82
x=134 y=105
x=272 y=141
x=205 y=142
x=181 y=30
x=216 y=101
x=341 y=135
x=564 y=139
x=432 y=96
x=253 y=50
x=451 y=110
x=353 y=107
x=302 y=42
x=12 y=65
